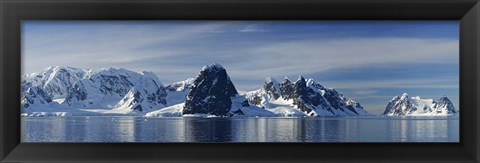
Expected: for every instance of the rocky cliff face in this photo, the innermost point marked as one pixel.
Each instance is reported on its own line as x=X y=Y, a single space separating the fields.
x=211 y=93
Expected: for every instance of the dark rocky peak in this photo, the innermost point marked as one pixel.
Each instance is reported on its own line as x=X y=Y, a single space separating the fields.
x=445 y=104
x=286 y=81
x=211 y=92
x=444 y=99
x=287 y=88
x=272 y=87
x=300 y=86
x=215 y=75
x=301 y=96
x=301 y=78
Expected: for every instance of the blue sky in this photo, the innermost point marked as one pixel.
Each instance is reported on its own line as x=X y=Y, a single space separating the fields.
x=368 y=61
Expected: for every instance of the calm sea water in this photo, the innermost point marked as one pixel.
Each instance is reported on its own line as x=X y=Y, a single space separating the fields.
x=336 y=129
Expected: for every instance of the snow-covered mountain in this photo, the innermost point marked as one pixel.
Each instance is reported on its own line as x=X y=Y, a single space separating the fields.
x=303 y=98
x=416 y=106
x=55 y=80
x=50 y=85
x=67 y=87
x=120 y=89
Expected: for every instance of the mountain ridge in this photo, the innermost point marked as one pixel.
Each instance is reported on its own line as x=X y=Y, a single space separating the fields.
x=311 y=98
x=124 y=92
x=102 y=89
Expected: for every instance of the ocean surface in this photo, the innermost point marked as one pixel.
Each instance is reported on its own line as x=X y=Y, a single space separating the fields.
x=248 y=129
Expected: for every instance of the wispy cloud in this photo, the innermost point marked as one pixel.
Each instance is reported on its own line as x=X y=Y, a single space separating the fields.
x=354 y=52
x=161 y=51
x=110 y=47
x=364 y=92
x=312 y=56
x=254 y=28
x=398 y=83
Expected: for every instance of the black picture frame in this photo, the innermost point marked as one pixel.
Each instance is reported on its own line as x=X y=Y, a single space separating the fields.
x=467 y=12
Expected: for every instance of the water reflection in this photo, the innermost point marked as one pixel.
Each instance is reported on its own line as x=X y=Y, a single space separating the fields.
x=52 y=130
x=166 y=130
x=325 y=129
x=208 y=130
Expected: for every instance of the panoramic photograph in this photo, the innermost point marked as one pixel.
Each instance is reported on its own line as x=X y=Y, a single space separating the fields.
x=240 y=81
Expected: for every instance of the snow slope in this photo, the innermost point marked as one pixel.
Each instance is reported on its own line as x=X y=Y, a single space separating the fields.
x=176 y=92
x=171 y=111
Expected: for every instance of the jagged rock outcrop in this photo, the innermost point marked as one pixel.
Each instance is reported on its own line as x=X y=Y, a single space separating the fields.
x=311 y=98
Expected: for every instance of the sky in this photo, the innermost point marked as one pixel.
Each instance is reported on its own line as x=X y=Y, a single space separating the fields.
x=368 y=61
